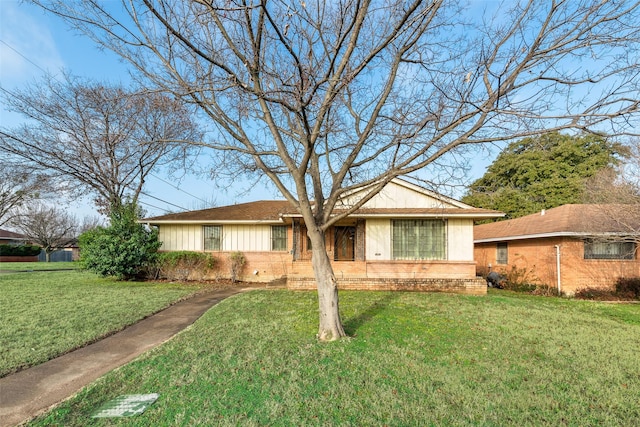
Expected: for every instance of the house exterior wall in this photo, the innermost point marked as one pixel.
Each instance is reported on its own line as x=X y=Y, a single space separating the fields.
x=235 y=237
x=181 y=237
x=459 y=240
x=374 y=272
x=537 y=258
x=246 y=238
x=398 y=196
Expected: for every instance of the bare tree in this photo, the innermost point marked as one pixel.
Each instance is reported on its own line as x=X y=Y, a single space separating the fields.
x=49 y=227
x=97 y=138
x=324 y=98
x=17 y=187
x=617 y=192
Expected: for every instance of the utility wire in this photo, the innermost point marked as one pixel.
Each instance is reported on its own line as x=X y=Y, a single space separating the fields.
x=163 y=201
x=153 y=206
x=146 y=194
x=178 y=188
x=25 y=58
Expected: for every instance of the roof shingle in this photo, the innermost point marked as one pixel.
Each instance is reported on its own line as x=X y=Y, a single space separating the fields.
x=571 y=219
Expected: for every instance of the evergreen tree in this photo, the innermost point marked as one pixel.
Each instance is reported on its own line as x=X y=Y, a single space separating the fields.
x=543 y=172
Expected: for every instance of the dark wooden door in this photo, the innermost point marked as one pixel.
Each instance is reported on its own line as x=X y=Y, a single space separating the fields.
x=345 y=243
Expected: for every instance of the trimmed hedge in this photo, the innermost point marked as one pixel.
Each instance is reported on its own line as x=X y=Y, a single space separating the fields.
x=20 y=250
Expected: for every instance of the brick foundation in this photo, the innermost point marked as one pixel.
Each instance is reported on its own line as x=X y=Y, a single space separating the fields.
x=475 y=286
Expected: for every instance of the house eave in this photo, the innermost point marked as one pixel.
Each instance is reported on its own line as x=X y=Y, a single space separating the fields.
x=582 y=235
x=215 y=222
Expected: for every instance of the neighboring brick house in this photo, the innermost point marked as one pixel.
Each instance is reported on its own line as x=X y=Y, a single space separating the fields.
x=10 y=238
x=405 y=237
x=591 y=246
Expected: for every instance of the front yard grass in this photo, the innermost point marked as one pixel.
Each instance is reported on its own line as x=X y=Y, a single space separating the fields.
x=414 y=359
x=38 y=266
x=45 y=314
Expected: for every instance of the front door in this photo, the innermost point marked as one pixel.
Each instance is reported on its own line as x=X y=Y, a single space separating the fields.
x=345 y=243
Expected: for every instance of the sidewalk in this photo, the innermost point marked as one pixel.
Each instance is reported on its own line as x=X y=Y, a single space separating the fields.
x=30 y=392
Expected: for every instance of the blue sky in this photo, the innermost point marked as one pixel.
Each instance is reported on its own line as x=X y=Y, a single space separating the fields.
x=32 y=42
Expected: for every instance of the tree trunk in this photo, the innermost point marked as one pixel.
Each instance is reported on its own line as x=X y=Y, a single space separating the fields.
x=330 y=327
x=47 y=256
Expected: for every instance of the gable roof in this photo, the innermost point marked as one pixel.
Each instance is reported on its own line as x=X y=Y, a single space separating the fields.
x=393 y=201
x=566 y=220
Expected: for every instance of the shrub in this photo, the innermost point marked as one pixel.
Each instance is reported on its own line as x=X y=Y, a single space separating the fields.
x=185 y=265
x=20 y=250
x=236 y=263
x=628 y=287
x=598 y=294
x=519 y=280
x=125 y=249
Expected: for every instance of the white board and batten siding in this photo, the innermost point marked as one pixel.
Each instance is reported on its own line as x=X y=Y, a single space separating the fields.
x=400 y=194
x=459 y=239
x=181 y=237
x=246 y=238
x=235 y=237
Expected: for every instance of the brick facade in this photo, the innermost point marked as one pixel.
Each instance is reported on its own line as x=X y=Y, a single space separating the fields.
x=537 y=257
x=442 y=276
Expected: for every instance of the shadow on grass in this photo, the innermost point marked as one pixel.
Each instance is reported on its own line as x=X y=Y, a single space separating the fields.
x=352 y=325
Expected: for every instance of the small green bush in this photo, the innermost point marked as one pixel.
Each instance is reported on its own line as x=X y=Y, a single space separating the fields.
x=185 y=265
x=20 y=250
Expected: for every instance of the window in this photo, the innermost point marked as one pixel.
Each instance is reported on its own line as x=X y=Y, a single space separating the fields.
x=212 y=237
x=609 y=250
x=278 y=237
x=502 y=253
x=419 y=239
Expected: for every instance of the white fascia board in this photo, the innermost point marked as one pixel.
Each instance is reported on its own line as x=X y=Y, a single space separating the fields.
x=421 y=215
x=464 y=215
x=547 y=235
x=205 y=222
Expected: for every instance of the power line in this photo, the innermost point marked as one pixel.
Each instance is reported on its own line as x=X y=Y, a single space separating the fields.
x=153 y=206
x=23 y=56
x=163 y=201
x=142 y=192
x=178 y=188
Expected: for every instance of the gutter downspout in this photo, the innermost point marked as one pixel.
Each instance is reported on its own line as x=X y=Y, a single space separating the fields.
x=558 y=268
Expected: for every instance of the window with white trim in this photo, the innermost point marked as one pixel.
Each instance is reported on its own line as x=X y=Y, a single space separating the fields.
x=212 y=237
x=278 y=237
x=419 y=239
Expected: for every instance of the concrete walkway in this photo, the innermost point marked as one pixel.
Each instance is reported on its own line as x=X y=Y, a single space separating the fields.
x=30 y=392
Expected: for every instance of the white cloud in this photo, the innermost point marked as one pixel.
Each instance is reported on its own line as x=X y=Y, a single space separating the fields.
x=27 y=44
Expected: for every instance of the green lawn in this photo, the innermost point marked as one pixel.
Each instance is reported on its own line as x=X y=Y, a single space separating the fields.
x=45 y=314
x=37 y=266
x=413 y=359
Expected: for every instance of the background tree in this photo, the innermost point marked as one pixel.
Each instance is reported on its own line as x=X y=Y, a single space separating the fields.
x=323 y=98
x=617 y=191
x=17 y=187
x=97 y=138
x=124 y=248
x=47 y=226
x=543 y=172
